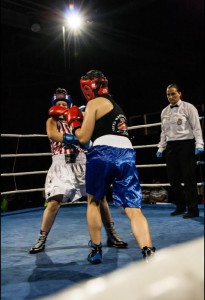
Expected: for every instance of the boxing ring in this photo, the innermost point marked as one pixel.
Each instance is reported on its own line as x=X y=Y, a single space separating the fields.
x=62 y=272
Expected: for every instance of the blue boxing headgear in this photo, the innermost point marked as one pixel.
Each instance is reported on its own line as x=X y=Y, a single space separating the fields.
x=61 y=95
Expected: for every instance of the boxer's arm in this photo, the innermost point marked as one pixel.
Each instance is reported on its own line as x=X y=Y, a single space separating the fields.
x=55 y=135
x=84 y=133
x=52 y=132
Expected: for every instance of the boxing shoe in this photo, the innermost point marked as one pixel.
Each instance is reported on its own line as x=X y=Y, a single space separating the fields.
x=148 y=253
x=113 y=239
x=39 y=245
x=95 y=256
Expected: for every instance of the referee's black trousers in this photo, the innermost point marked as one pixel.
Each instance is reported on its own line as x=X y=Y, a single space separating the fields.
x=181 y=168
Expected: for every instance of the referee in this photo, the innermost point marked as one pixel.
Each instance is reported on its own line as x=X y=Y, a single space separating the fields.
x=181 y=138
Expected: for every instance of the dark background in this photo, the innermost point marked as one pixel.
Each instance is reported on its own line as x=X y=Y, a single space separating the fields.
x=141 y=46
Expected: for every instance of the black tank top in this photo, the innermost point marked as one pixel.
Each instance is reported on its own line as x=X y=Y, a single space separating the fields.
x=114 y=122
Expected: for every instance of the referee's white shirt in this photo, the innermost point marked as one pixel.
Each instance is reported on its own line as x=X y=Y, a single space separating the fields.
x=180 y=123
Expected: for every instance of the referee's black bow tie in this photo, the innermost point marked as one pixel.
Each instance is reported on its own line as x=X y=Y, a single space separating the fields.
x=176 y=105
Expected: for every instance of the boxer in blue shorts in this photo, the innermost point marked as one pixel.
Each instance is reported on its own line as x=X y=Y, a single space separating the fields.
x=110 y=161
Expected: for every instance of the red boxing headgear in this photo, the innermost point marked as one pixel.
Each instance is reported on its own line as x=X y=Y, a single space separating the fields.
x=94 y=84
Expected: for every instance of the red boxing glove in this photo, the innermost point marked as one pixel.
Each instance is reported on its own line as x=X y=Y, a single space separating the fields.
x=56 y=111
x=74 y=118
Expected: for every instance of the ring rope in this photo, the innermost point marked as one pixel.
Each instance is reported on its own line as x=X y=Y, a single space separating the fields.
x=152 y=125
x=23 y=173
x=44 y=135
x=144 y=126
x=50 y=154
x=142 y=185
x=145 y=146
x=23 y=191
x=23 y=135
x=26 y=155
x=44 y=172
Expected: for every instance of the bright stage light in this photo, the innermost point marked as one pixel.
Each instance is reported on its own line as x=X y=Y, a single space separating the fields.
x=74 y=21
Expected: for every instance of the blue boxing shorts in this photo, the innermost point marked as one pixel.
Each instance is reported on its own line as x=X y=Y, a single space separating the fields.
x=114 y=166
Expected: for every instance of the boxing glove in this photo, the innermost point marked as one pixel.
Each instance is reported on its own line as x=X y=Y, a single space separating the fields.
x=74 y=118
x=57 y=111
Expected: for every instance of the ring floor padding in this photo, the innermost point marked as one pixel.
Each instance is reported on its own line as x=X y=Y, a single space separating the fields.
x=64 y=263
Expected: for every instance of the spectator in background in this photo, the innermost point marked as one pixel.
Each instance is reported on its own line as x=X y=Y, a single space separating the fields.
x=158 y=193
x=152 y=195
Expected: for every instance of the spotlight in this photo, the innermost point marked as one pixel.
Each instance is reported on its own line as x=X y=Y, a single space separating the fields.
x=74 y=21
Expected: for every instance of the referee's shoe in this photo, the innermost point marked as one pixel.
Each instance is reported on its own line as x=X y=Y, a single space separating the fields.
x=191 y=214
x=178 y=211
